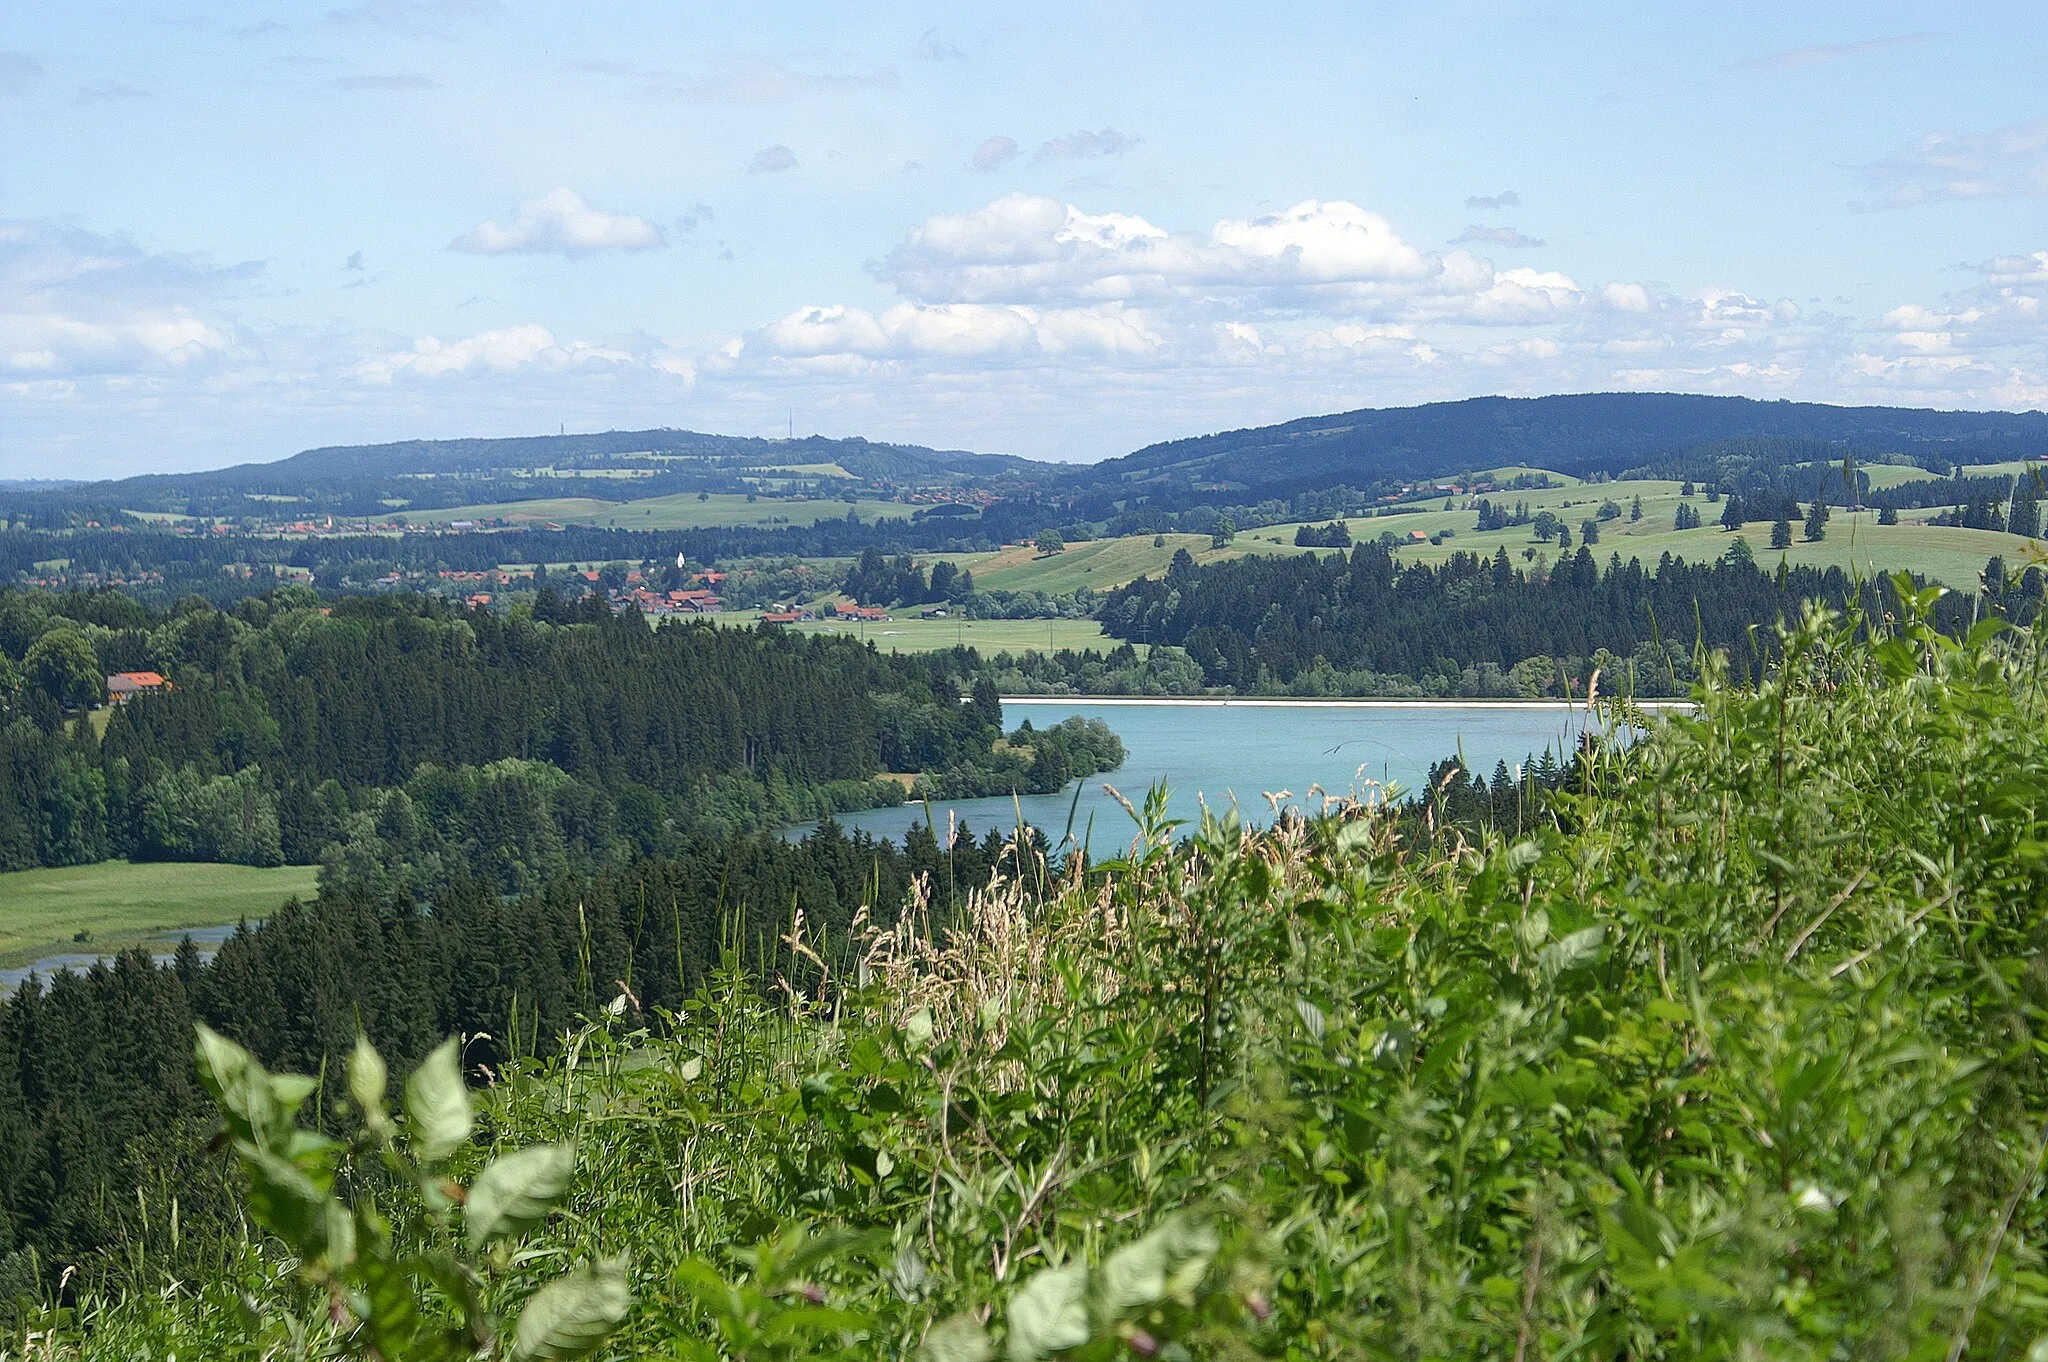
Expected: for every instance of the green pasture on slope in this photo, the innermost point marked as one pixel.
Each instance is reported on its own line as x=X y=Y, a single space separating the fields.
x=914 y=635
x=1951 y=556
x=680 y=511
x=123 y=903
x=1097 y=564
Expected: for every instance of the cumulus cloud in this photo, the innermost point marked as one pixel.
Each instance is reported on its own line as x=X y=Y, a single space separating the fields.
x=498 y=351
x=993 y=154
x=769 y=160
x=560 y=223
x=2006 y=162
x=1076 y=146
x=952 y=331
x=407 y=80
x=1493 y=203
x=1030 y=324
x=78 y=303
x=19 y=73
x=1031 y=249
x=1495 y=236
x=1821 y=54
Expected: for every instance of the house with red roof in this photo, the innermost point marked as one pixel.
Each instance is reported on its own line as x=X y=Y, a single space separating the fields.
x=122 y=685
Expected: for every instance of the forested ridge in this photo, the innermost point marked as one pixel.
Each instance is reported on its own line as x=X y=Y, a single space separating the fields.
x=402 y=738
x=101 y=1121
x=1361 y=623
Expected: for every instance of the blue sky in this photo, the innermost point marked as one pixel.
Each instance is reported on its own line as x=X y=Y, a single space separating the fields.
x=231 y=231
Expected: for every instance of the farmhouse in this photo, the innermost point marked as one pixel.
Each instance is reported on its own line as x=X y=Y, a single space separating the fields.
x=121 y=685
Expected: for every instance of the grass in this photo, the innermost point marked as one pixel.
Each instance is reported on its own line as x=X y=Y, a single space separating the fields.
x=1951 y=556
x=1893 y=475
x=1948 y=555
x=1095 y=563
x=681 y=511
x=914 y=635
x=123 y=903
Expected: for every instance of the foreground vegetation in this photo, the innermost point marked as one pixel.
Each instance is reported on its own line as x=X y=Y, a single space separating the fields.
x=1739 y=1055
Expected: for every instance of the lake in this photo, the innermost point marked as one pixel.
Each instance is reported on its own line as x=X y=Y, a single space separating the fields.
x=1241 y=750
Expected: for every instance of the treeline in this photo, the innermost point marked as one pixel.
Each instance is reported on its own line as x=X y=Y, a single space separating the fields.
x=101 y=1124
x=1362 y=624
x=403 y=730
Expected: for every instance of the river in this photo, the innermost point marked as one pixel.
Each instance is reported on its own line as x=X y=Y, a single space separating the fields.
x=208 y=939
x=1242 y=750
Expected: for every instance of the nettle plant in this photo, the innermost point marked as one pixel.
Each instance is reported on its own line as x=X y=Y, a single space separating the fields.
x=423 y=1300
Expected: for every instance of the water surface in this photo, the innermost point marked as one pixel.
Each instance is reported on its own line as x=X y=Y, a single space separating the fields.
x=1244 y=750
x=208 y=940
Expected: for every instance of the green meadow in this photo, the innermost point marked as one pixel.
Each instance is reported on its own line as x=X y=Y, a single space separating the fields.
x=123 y=903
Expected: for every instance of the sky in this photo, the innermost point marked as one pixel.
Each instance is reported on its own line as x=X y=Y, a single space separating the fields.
x=232 y=231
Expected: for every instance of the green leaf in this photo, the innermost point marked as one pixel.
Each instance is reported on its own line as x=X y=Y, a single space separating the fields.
x=368 y=1081
x=437 y=1105
x=514 y=1193
x=918 y=1027
x=1580 y=949
x=238 y=1083
x=959 y=1339
x=1050 y=1313
x=572 y=1315
x=1168 y=1261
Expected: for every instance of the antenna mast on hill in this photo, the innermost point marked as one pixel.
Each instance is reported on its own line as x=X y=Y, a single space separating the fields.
x=792 y=423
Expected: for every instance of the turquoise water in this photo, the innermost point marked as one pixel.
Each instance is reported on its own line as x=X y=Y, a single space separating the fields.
x=1243 y=751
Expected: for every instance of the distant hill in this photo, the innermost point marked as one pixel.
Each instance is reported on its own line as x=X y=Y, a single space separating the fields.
x=363 y=479
x=1578 y=433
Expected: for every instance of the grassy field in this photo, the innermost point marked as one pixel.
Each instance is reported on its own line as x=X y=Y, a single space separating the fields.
x=1891 y=475
x=122 y=903
x=914 y=635
x=682 y=511
x=1953 y=557
x=1096 y=563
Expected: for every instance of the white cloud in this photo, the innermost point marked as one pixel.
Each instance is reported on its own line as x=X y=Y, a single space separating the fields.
x=560 y=223
x=2007 y=162
x=1076 y=146
x=499 y=351
x=957 y=331
x=1028 y=248
x=769 y=160
x=1493 y=203
x=73 y=302
x=993 y=154
x=1496 y=236
x=1029 y=324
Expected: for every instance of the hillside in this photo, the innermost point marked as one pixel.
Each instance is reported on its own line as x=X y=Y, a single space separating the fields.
x=613 y=465
x=1734 y=1051
x=1573 y=433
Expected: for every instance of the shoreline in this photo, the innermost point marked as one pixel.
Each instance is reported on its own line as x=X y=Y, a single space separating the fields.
x=1291 y=702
